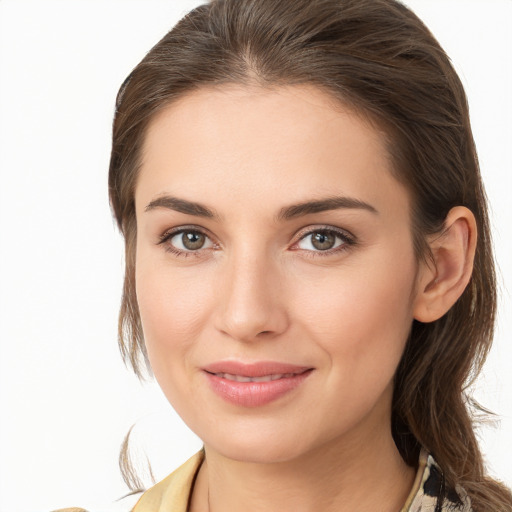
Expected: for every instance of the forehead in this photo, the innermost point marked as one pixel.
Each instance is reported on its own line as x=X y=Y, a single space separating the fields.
x=216 y=142
x=256 y=115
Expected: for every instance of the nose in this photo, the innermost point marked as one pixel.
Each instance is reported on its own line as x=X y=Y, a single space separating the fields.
x=251 y=303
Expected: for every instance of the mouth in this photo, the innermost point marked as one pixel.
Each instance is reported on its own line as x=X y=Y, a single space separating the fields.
x=254 y=384
x=264 y=378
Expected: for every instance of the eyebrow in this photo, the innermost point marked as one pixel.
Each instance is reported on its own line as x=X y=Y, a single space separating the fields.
x=286 y=213
x=182 y=206
x=322 y=205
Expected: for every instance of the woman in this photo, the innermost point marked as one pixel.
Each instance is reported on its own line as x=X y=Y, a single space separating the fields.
x=308 y=264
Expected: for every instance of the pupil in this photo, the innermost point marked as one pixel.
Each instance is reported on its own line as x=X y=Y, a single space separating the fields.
x=193 y=240
x=323 y=241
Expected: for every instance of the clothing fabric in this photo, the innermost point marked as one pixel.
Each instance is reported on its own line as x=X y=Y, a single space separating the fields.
x=428 y=494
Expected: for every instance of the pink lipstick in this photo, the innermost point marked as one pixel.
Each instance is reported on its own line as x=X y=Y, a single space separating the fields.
x=254 y=384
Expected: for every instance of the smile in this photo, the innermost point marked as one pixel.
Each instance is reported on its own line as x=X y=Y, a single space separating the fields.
x=265 y=378
x=255 y=384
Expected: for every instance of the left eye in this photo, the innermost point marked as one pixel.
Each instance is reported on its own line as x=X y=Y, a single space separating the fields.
x=321 y=240
x=190 y=240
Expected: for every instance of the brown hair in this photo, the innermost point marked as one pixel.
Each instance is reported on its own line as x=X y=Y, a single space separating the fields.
x=379 y=58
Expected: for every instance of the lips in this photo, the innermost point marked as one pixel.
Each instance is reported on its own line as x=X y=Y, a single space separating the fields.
x=264 y=378
x=254 y=384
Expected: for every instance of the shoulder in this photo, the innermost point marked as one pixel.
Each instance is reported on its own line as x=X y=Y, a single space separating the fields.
x=430 y=492
x=173 y=492
x=125 y=504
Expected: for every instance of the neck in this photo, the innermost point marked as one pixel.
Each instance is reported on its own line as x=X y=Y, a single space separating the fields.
x=347 y=474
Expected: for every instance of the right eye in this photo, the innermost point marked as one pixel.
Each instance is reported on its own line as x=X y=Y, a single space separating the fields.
x=186 y=241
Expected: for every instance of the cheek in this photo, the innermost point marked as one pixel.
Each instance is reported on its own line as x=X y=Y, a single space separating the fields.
x=363 y=315
x=361 y=325
x=172 y=311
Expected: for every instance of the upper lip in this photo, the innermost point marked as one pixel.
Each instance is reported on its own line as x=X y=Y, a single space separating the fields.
x=255 y=369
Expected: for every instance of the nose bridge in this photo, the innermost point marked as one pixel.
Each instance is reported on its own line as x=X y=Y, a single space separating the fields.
x=252 y=302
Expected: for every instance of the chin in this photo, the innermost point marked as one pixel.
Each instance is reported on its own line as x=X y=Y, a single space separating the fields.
x=258 y=446
x=259 y=453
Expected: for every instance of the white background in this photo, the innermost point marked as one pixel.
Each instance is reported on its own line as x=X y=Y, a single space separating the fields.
x=66 y=399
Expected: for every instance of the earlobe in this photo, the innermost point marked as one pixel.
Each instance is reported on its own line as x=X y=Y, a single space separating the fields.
x=442 y=281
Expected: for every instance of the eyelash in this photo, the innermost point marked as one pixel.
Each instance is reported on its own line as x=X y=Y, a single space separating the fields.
x=168 y=235
x=347 y=239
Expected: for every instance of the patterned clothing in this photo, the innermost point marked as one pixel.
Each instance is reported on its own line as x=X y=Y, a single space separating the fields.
x=429 y=493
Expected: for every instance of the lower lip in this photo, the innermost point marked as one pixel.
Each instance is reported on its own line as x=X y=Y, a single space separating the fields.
x=254 y=394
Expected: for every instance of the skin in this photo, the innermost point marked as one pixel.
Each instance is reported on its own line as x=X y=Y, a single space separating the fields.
x=259 y=290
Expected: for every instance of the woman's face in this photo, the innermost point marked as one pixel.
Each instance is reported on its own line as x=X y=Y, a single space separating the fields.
x=275 y=270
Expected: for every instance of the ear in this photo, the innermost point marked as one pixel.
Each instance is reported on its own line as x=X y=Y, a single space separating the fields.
x=441 y=281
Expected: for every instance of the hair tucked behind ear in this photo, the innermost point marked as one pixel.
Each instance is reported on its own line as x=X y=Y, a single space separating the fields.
x=379 y=58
